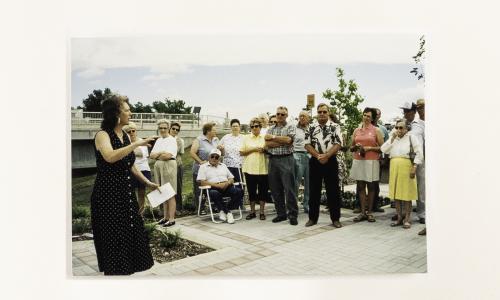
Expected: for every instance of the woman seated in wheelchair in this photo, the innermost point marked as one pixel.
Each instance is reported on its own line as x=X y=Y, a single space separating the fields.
x=216 y=175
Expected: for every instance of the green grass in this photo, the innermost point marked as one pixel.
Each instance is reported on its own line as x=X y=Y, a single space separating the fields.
x=81 y=188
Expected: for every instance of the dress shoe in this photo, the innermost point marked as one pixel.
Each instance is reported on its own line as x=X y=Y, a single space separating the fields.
x=310 y=223
x=421 y=220
x=278 y=219
x=169 y=223
x=423 y=232
x=293 y=221
x=337 y=224
x=251 y=216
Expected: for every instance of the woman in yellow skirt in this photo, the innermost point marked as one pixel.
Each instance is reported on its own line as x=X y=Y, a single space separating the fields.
x=402 y=181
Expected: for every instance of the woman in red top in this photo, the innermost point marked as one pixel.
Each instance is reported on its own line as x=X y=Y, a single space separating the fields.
x=366 y=142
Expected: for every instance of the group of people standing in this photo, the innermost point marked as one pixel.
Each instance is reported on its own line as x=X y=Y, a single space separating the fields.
x=270 y=162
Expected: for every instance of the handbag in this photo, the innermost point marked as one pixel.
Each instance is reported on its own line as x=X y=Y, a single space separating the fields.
x=412 y=153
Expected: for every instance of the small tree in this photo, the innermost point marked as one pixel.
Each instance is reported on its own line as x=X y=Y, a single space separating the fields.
x=344 y=102
x=171 y=107
x=94 y=100
x=418 y=58
x=139 y=107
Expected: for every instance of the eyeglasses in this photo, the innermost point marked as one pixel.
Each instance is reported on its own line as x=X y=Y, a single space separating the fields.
x=280 y=114
x=399 y=127
x=255 y=126
x=272 y=122
x=214 y=156
x=322 y=112
x=176 y=129
x=163 y=128
x=132 y=130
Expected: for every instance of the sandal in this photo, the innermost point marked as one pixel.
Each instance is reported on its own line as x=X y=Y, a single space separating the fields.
x=262 y=217
x=407 y=225
x=162 y=221
x=394 y=224
x=169 y=223
x=370 y=218
x=251 y=216
x=360 y=217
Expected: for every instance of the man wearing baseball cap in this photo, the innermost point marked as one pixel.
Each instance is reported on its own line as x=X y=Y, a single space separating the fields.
x=220 y=179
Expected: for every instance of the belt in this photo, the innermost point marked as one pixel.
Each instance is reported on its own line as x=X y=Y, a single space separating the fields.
x=173 y=158
x=300 y=151
x=281 y=155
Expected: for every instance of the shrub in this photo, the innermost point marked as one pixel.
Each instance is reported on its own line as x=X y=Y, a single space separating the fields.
x=81 y=225
x=150 y=229
x=80 y=212
x=170 y=239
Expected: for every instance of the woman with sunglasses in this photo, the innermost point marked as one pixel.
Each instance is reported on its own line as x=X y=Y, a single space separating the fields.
x=141 y=162
x=174 y=131
x=402 y=182
x=230 y=146
x=165 y=169
x=255 y=168
x=366 y=142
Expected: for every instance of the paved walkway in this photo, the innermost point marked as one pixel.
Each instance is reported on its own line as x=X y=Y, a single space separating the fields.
x=249 y=248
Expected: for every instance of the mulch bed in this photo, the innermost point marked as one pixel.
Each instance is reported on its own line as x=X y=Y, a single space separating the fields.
x=184 y=248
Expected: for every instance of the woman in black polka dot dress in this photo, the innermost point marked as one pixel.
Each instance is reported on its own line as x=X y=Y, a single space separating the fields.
x=120 y=241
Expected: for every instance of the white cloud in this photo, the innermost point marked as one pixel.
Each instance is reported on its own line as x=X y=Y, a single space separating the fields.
x=169 y=55
x=92 y=72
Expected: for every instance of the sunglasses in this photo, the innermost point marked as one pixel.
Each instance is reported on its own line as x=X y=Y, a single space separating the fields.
x=214 y=156
x=163 y=128
x=399 y=127
x=129 y=131
x=322 y=112
x=176 y=129
x=272 y=122
x=280 y=114
x=255 y=126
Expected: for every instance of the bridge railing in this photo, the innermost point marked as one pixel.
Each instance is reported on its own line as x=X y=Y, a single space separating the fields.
x=81 y=119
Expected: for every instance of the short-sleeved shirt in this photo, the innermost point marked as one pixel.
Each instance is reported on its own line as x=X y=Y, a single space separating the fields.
x=167 y=144
x=254 y=163
x=300 y=139
x=367 y=137
x=323 y=138
x=211 y=173
x=285 y=130
x=232 y=145
x=205 y=146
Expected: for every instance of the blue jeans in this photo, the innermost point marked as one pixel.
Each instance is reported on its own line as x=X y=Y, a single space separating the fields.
x=235 y=193
x=302 y=170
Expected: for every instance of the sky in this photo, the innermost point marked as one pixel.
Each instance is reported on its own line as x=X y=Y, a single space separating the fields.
x=244 y=75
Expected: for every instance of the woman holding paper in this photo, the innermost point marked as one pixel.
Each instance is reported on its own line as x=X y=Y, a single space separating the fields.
x=165 y=169
x=141 y=163
x=121 y=244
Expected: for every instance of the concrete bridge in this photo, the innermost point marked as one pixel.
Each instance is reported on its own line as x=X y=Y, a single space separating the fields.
x=84 y=126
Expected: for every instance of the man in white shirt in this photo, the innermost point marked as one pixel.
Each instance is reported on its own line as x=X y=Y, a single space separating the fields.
x=220 y=179
x=418 y=130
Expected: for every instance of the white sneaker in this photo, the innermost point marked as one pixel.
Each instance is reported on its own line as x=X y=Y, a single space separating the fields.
x=230 y=218
x=222 y=216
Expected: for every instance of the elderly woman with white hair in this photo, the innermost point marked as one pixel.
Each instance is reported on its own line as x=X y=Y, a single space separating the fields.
x=141 y=163
x=406 y=154
x=165 y=168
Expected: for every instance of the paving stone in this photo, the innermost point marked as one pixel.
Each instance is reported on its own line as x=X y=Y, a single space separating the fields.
x=239 y=261
x=207 y=270
x=224 y=265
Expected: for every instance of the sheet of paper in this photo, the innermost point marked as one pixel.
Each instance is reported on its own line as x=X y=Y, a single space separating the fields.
x=156 y=198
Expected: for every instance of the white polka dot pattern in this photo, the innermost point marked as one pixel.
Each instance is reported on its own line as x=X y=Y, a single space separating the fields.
x=121 y=244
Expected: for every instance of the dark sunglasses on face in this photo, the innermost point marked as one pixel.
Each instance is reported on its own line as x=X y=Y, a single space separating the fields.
x=280 y=114
x=215 y=156
x=176 y=129
x=322 y=112
x=272 y=122
x=163 y=128
x=132 y=130
x=399 y=127
x=255 y=126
